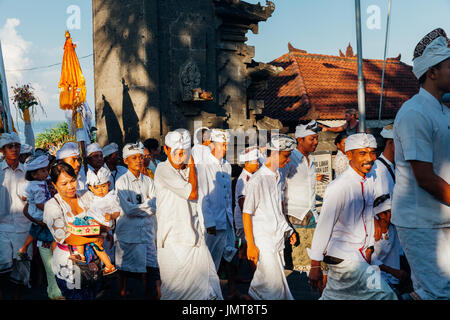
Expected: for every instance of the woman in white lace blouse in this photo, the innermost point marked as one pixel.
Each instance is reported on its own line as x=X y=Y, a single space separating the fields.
x=58 y=212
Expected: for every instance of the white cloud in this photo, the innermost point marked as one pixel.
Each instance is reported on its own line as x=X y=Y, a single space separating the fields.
x=15 y=50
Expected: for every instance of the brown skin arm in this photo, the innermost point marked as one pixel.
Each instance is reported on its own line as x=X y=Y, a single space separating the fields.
x=192 y=179
x=399 y=274
x=252 y=249
x=430 y=182
x=241 y=203
x=40 y=206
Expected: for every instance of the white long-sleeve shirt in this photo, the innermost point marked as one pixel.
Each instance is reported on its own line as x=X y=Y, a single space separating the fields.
x=138 y=222
x=214 y=193
x=340 y=163
x=177 y=216
x=345 y=228
x=300 y=185
x=12 y=218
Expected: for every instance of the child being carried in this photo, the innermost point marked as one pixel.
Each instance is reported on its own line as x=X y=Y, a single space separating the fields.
x=103 y=210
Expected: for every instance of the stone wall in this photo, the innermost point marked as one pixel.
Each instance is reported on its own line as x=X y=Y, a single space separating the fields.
x=149 y=56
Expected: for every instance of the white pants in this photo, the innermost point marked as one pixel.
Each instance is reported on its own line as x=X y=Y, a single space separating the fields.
x=221 y=245
x=428 y=254
x=188 y=273
x=356 y=280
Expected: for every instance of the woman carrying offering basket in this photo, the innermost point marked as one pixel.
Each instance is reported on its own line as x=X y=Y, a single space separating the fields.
x=59 y=211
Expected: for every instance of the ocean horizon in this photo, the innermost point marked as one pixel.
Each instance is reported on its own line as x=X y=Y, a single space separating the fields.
x=38 y=127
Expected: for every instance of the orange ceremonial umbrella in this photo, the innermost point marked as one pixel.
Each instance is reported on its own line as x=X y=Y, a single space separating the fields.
x=72 y=82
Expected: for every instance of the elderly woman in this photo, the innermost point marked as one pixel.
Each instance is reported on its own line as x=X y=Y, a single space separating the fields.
x=58 y=212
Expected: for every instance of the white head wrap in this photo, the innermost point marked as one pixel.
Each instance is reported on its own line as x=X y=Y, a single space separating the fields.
x=178 y=139
x=8 y=138
x=360 y=141
x=101 y=177
x=387 y=132
x=197 y=132
x=220 y=135
x=436 y=52
x=93 y=147
x=132 y=148
x=37 y=163
x=69 y=149
x=110 y=149
x=25 y=148
x=249 y=154
x=281 y=142
x=309 y=129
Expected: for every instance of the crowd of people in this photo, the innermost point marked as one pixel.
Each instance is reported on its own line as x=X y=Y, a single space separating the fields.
x=382 y=232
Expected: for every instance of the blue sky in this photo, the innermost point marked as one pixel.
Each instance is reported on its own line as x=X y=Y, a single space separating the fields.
x=32 y=34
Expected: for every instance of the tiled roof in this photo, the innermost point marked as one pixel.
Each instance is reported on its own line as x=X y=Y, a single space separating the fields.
x=315 y=86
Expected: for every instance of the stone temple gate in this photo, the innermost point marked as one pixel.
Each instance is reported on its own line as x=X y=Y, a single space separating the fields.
x=166 y=64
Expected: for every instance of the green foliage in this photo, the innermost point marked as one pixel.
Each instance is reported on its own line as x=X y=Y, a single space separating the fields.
x=53 y=139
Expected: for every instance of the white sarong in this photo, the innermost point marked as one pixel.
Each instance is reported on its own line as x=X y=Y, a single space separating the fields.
x=188 y=273
x=428 y=254
x=356 y=280
x=269 y=281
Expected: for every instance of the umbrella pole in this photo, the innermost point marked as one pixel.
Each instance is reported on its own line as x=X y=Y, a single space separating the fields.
x=361 y=92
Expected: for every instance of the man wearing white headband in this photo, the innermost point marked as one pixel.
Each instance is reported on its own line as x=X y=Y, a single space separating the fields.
x=136 y=251
x=111 y=159
x=421 y=199
x=387 y=245
x=94 y=156
x=70 y=154
x=300 y=183
x=265 y=225
x=14 y=225
x=187 y=269
x=215 y=202
x=344 y=236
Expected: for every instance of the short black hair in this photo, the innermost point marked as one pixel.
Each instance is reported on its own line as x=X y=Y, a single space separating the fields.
x=58 y=168
x=341 y=136
x=29 y=175
x=151 y=144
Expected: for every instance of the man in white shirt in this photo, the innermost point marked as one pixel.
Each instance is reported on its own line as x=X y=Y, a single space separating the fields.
x=94 y=156
x=187 y=269
x=265 y=224
x=201 y=149
x=300 y=185
x=14 y=226
x=136 y=229
x=421 y=203
x=111 y=159
x=215 y=203
x=344 y=236
x=70 y=154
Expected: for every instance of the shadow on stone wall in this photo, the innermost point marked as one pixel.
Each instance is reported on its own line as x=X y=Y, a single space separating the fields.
x=130 y=120
x=113 y=131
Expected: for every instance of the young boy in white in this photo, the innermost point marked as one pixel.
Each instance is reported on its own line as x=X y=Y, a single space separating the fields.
x=36 y=194
x=136 y=229
x=187 y=269
x=265 y=225
x=249 y=157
